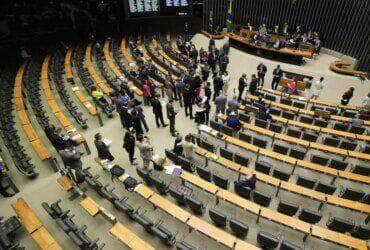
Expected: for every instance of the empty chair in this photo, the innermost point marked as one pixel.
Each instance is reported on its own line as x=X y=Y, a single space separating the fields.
x=217 y=217
x=227 y=130
x=361 y=232
x=196 y=206
x=305 y=182
x=306 y=119
x=281 y=175
x=288 y=115
x=275 y=111
x=259 y=142
x=365 y=117
x=171 y=155
x=281 y=149
x=260 y=123
x=204 y=173
x=159 y=184
x=310 y=136
x=221 y=181
x=332 y=110
x=245 y=118
x=267 y=240
x=366 y=199
x=239 y=228
x=286 y=245
x=340 y=225
x=298 y=104
x=294 y=132
x=349 y=113
x=270 y=97
x=206 y=145
x=242 y=191
x=352 y=194
x=325 y=188
x=186 y=163
x=261 y=198
x=320 y=123
x=215 y=125
x=241 y=160
x=263 y=167
x=310 y=216
x=348 y=145
x=320 y=160
x=227 y=154
x=360 y=169
x=286 y=101
x=297 y=153
x=341 y=126
x=330 y=141
x=366 y=150
x=185 y=246
x=177 y=195
x=287 y=208
x=357 y=130
x=338 y=164
x=245 y=137
x=275 y=127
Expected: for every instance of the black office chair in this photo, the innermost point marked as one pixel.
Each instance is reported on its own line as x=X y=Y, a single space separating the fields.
x=310 y=216
x=215 y=125
x=287 y=208
x=221 y=181
x=244 y=118
x=325 y=188
x=286 y=101
x=225 y=153
x=239 y=228
x=348 y=145
x=217 y=217
x=320 y=123
x=275 y=111
x=321 y=160
x=361 y=232
x=338 y=164
x=341 y=126
x=177 y=195
x=196 y=206
x=332 y=110
x=306 y=182
x=280 y=148
x=362 y=170
x=270 y=97
x=227 y=130
x=281 y=175
x=245 y=137
x=260 y=123
x=288 y=115
x=294 y=132
x=241 y=160
x=340 y=225
x=185 y=246
x=259 y=142
x=306 y=119
x=352 y=194
x=267 y=240
x=286 y=245
x=275 y=127
x=242 y=191
x=297 y=153
x=263 y=167
x=330 y=141
x=298 y=104
x=310 y=136
x=261 y=199
x=357 y=130
x=204 y=173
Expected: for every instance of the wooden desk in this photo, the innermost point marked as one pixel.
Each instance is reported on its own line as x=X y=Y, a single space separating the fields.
x=211 y=231
x=144 y=191
x=90 y=206
x=26 y=215
x=129 y=238
x=199 y=182
x=54 y=106
x=30 y=132
x=215 y=37
x=286 y=220
x=23 y=118
x=170 y=208
x=63 y=120
x=238 y=201
x=342 y=68
x=44 y=239
x=65 y=182
x=18 y=102
x=40 y=149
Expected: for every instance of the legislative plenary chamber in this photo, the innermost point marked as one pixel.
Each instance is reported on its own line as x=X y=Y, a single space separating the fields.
x=185 y=124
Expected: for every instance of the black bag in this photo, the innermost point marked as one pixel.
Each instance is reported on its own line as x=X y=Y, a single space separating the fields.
x=80 y=176
x=116 y=171
x=130 y=183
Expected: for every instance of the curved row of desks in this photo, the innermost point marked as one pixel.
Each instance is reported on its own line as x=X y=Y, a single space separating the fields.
x=316 y=128
x=167 y=57
x=59 y=115
x=94 y=75
x=303 y=111
x=290 y=187
x=39 y=147
x=285 y=158
x=341 y=68
x=79 y=94
x=310 y=101
x=215 y=37
x=304 y=143
x=304 y=227
x=116 y=70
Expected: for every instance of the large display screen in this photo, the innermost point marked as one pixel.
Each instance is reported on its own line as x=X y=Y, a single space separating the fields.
x=157 y=8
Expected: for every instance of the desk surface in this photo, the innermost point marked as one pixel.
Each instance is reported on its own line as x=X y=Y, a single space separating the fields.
x=90 y=206
x=169 y=207
x=199 y=182
x=44 y=239
x=26 y=215
x=129 y=238
x=144 y=191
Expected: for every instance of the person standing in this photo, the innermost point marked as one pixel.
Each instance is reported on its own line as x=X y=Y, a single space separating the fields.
x=242 y=85
x=129 y=146
x=253 y=85
x=180 y=86
x=317 y=88
x=146 y=150
x=188 y=102
x=157 y=111
x=347 y=96
x=208 y=91
x=140 y=112
x=233 y=104
x=217 y=86
x=261 y=72
x=171 y=115
x=225 y=80
x=188 y=147
x=102 y=148
x=277 y=74
x=220 y=102
x=136 y=123
x=72 y=162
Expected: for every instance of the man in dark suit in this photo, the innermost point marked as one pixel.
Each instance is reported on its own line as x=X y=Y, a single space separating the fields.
x=157 y=111
x=217 y=86
x=242 y=85
x=261 y=72
x=277 y=73
x=171 y=115
x=188 y=101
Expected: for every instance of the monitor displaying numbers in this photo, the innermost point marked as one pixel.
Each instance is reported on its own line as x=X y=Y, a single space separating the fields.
x=157 y=8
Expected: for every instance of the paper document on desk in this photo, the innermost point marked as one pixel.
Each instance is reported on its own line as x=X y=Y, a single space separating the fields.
x=76 y=137
x=107 y=141
x=74 y=89
x=302 y=98
x=205 y=128
x=88 y=105
x=173 y=170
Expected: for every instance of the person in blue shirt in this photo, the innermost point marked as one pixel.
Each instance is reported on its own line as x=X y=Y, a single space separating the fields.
x=233 y=122
x=248 y=182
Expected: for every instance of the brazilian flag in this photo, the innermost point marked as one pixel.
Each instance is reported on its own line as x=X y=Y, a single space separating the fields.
x=229 y=17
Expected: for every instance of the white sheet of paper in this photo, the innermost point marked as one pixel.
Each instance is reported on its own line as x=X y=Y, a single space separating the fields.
x=107 y=141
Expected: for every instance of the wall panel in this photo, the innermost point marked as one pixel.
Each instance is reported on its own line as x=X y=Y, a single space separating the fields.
x=343 y=25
